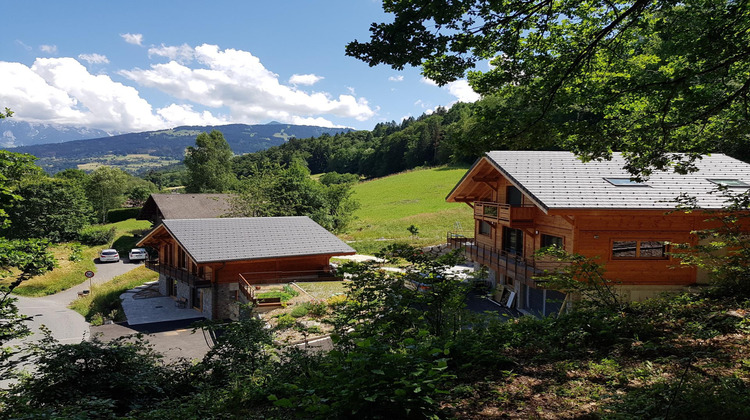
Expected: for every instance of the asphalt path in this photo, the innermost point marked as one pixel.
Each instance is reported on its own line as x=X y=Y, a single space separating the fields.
x=66 y=325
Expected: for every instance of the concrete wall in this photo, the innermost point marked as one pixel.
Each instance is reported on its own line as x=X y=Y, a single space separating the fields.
x=163 y=285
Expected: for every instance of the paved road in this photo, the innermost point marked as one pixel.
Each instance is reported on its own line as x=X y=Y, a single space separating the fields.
x=52 y=311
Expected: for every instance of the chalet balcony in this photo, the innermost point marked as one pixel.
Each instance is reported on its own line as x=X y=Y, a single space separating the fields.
x=179 y=274
x=520 y=269
x=506 y=214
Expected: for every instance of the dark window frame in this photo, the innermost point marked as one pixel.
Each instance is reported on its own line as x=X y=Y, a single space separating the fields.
x=560 y=244
x=638 y=248
x=489 y=227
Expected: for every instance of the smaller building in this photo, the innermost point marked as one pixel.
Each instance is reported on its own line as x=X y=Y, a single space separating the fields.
x=210 y=264
x=184 y=206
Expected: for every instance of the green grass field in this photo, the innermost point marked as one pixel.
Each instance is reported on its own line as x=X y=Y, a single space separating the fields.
x=388 y=206
x=69 y=273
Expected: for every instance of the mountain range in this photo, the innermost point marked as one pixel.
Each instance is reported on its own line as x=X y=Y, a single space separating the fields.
x=149 y=149
x=15 y=133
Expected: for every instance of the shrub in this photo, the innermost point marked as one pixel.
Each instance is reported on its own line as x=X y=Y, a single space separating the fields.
x=317 y=308
x=290 y=290
x=118 y=215
x=336 y=301
x=285 y=321
x=274 y=294
x=76 y=252
x=300 y=310
x=96 y=235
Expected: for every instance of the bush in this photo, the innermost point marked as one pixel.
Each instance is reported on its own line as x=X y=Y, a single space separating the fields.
x=97 y=235
x=336 y=301
x=300 y=310
x=76 y=252
x=317 y=308
x=118 y=215
x=285 y=321
x=290 y=290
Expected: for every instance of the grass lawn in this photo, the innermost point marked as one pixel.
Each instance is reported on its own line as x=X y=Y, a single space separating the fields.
x=322 y=289
x=388 y=206
x=104 y=300
x=68 y=273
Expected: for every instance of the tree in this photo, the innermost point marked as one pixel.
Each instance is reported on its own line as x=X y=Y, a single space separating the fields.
x=51 y=208
x=209 y=164
x=645 y=77
x=106 y=190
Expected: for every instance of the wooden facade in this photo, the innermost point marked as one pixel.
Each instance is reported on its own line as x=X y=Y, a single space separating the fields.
x=510 y=227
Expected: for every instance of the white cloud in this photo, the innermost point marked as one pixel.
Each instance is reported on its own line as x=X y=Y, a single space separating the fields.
x=184 y=115
x=305 y=79
x=398 y=78
x=135 y=39
x=460 y=89
x=94 y=58
x=49 y=49
x=182 y=53
x=238 y=81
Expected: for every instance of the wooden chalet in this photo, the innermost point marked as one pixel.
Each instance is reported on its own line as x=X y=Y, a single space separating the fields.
x=184 y=206
x=210 y=264
x=524 y=201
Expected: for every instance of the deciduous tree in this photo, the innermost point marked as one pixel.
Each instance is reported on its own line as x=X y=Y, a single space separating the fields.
x=209 y=164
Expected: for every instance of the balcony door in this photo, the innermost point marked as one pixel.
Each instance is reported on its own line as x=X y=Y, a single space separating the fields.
x=513 y=241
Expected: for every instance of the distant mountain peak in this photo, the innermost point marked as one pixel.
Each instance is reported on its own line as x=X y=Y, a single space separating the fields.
x=274 y=123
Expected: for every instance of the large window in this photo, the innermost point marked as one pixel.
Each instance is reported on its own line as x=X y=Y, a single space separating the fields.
x=549 y=240
x=512 y=241
x=649 y=250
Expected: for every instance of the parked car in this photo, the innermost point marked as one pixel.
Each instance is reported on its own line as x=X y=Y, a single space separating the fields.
x=109 y=255
x=137 y=254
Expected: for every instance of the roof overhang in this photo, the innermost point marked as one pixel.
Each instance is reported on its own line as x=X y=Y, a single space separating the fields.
x=458 y=193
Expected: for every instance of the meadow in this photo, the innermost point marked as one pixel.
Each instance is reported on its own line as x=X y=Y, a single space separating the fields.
x=390 y=205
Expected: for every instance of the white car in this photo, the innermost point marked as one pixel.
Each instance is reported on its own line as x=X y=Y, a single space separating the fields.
x=109 y=255
x=137 y=254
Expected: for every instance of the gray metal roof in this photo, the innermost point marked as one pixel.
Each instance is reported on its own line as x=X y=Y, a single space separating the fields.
x=560 y=180
x=186 y=206
x=248 y=238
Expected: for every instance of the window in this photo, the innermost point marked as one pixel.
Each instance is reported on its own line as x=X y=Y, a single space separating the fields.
x=549 y=240
x=655 y=250
x=724 y=182
x=181 y=259
x=512 y=241
x=513 y=196
x=485 y=228
x=625 y=182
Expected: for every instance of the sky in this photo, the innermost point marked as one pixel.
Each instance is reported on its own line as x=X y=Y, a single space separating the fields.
x=146 y=65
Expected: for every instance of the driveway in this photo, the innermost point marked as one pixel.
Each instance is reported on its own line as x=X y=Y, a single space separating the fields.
x=66 y=325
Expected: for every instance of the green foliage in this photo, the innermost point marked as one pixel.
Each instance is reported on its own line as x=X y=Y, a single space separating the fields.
x=336 y=301
x=317 y=308
x=290 y=290
x=285 y=321
x=299 y=311
x=51 y=208
x=645 y=77
x=209 y=164
x=273 y=190
x=413 y=230
x=333 y=178
x=76 y=252
x=275 y=294
x=723 y=250
x=97 y=235
x=118 y=215
x=119 y=376
x=106 y=190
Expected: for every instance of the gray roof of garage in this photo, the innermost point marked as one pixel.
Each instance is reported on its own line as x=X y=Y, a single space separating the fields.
x=560 y=180
x=248 y=238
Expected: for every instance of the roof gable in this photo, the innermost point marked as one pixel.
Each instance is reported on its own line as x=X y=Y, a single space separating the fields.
x=249 y=238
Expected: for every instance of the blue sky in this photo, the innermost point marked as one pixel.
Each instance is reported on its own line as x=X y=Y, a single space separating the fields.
x=137 y=65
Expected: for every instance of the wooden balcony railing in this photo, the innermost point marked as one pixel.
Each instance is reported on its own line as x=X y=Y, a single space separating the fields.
x=179 y=274
x=274 y=277
x=519 y=268
x=515 y=216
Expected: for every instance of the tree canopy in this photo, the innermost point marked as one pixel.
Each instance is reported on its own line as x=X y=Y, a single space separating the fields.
x=209 y=164
x=646 y=77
